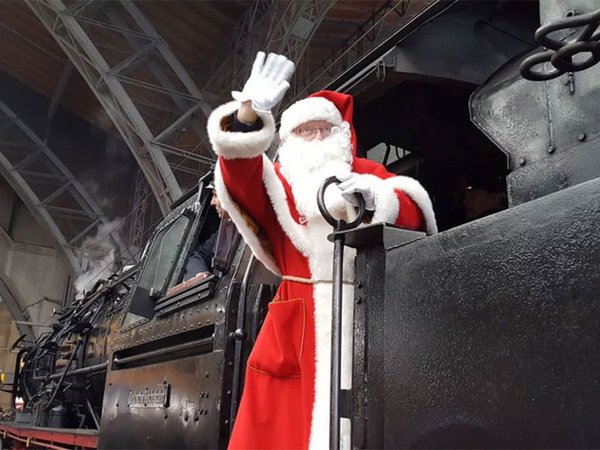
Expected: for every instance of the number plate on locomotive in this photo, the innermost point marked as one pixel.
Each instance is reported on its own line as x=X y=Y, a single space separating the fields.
x=157 y=397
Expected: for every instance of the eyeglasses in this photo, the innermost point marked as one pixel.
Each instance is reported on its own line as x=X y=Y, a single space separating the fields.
x=311 y=132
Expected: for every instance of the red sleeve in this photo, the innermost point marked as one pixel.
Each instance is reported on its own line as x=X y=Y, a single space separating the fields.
x=243 y=178
x=410 y=215
x=363 y=165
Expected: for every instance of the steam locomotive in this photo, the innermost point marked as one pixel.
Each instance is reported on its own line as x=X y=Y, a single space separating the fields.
x=482 y=336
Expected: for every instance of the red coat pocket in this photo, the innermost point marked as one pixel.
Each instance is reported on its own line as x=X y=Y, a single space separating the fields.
x=279 y=345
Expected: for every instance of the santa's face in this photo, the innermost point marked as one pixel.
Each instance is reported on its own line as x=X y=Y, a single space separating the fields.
x=316 y=146
x=307 y=158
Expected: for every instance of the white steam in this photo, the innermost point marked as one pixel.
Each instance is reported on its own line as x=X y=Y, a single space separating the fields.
x=98 y=255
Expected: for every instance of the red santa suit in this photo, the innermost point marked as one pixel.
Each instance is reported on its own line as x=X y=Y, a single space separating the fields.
x=285 y=403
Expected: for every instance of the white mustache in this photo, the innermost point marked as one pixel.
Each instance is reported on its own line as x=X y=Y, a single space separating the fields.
x=296 y=152
x=305 y=164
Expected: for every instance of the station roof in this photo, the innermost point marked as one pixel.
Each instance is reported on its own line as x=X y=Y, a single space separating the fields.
x=192 y=29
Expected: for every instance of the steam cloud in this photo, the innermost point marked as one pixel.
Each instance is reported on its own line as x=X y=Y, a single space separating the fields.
x=98 y=255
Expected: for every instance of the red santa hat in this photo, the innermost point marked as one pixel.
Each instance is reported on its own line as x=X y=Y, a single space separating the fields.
x=333 y=107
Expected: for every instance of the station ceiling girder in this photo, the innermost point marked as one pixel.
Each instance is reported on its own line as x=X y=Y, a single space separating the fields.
x=55 y=198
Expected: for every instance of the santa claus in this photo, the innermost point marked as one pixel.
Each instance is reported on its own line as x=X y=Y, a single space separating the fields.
x=285 y=403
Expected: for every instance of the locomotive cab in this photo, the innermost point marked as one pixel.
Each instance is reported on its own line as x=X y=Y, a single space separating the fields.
x=166 y=259
x=177 y=360
x=159 y=347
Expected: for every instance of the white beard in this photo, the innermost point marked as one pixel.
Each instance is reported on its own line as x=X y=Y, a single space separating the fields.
x=306 y=164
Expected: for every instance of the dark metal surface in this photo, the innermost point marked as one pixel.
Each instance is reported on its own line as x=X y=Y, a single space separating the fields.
x=568 y=168
x=175 y=375
x=485 y=336
x=382 y=235
x=83 y=371
x=198 y=293
x=189 y=349
x=549 y=130
x=369 y=294
x=478 y=37
x=190 y=419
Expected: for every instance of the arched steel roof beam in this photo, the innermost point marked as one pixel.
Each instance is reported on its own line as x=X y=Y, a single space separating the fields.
x=147 y=93
x=269 y=25
x=59 y=203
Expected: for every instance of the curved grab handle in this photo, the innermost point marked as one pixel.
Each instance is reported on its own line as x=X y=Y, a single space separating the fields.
x=339 y=225
x=560 y=53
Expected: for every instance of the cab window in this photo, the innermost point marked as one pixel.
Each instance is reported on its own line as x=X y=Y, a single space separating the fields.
x=210 y=254
x=161 y=257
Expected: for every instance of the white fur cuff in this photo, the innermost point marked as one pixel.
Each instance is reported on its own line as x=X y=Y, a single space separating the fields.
x=234 y=145
x=387 y=205
x=419 y=195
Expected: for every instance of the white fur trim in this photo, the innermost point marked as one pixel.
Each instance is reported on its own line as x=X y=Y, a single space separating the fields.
x=278 y=198
x=419 y=195
x=232 y=145
x=306 y=110
x=311 y=241
x=319 y=436
x=248 y=234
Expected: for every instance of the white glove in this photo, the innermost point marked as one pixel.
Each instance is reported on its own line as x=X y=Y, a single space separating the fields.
x=335 y=202
x=354 y=183
x=268 y=82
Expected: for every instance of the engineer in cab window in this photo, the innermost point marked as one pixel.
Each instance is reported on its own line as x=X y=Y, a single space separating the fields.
x=201 y=263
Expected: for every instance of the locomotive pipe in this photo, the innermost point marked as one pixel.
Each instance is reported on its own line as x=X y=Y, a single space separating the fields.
x=206 y=342
x=92 y=412
x=81 y=371
x=62 y=378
